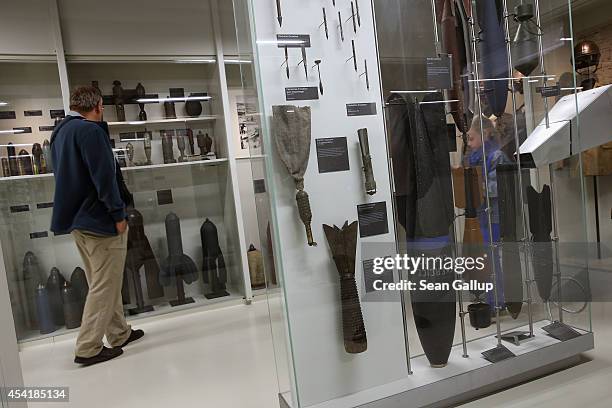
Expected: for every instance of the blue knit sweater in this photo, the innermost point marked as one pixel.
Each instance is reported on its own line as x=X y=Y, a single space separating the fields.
x=87 y=194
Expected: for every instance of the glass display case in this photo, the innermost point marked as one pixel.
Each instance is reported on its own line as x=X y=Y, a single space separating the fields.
x=417 y=129
x=166 y=94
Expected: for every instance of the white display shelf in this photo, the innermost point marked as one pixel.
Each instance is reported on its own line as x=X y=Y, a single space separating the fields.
x=127 y=169
x=175 y=59
x=111 y=59
x=140 y=123
x=254 y=156
x=178 y=164
x=28 y=58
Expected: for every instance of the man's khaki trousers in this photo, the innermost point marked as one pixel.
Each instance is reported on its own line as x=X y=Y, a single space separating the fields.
x=104 y=260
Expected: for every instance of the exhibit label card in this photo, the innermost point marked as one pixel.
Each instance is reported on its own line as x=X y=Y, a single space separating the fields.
x=8 y=115
x=46 y=128
x=32 y=113
x=26 y=129
x=41 y=234
x=439 y=72
x=127 y=136
x=549 y=91
x=57 y=113
x=177 y=92
x=361 y=109
x=332 y=154
x=20 y=208
x=369 y=276
x=302 y=93
x=259 y=186
x=164 y=197
x=293 y=40
x=44 y=205
x=372 y=219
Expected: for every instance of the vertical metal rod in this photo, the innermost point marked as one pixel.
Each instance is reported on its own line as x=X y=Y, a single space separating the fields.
x=556 y=240
x=597 y=226
x=403 y=302
x=486 y=182
x=520 y=170
x=435 y=26
x=580 y=165
x=541 y=55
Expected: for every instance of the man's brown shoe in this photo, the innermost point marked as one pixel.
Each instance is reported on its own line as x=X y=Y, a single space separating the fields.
x=104 y=355
x=134 y=335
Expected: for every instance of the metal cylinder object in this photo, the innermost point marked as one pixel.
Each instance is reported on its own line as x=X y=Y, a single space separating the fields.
x=37 y=152
x=73 y=313
x=167 y=147
x=366 y=158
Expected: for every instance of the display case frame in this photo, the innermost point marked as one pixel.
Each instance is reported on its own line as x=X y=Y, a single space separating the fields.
x=534 y=353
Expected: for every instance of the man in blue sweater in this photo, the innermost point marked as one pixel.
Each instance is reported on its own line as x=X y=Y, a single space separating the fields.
x=88 y=204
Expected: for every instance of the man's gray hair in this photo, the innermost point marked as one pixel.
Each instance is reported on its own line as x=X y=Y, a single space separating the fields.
x=84 y=98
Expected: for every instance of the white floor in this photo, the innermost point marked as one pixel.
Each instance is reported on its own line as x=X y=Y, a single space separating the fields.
x=217 y=358
x=224 y=358
x=585 y=385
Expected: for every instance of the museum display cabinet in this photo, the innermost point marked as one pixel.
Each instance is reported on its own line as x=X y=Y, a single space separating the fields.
x=176 y=101
x=438 y=128
x=281 y=147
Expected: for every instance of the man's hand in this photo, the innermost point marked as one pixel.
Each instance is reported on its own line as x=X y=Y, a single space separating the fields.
x=121 y=226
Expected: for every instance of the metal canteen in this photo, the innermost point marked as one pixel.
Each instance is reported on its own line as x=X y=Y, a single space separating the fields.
x=193 y=108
